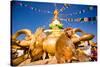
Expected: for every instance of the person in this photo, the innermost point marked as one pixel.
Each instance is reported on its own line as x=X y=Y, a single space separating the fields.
x=94 y=53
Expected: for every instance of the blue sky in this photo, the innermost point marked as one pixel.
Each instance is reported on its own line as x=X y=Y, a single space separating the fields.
x=24 y=17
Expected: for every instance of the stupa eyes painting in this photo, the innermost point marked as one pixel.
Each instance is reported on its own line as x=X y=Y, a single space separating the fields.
x=52 y=33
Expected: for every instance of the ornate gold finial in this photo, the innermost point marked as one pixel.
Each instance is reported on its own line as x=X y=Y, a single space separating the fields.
x=56 y=13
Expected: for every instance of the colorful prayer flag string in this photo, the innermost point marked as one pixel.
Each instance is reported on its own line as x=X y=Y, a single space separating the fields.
x=85 y=19
x=89 y=8
x=33 y=8
x=64 y=7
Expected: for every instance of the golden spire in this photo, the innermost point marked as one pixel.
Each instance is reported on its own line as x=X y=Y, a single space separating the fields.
x=56 y=22
x=56 y=13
